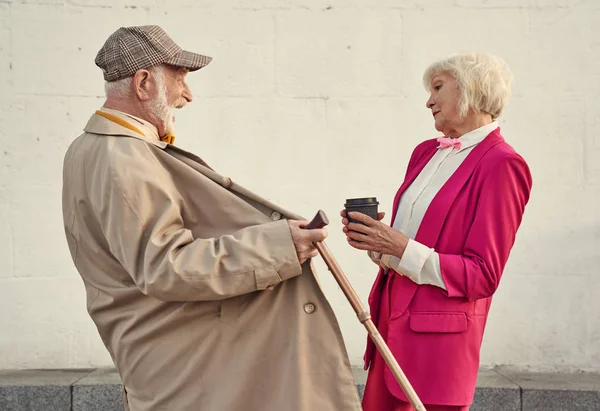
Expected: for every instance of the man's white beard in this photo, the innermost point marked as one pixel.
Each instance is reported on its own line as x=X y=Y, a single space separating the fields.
x=161 y=110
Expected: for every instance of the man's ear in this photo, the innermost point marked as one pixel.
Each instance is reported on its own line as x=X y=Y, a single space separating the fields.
x=141 y=84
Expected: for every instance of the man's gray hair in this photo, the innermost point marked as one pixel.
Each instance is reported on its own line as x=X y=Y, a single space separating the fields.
x=484 y=81
x=122 y=88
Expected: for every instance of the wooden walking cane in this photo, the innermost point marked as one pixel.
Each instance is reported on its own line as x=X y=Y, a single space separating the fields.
x=320 y=221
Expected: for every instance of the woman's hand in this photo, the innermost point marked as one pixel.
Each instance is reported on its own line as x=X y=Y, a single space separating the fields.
x=373 y=235
x=345 y=220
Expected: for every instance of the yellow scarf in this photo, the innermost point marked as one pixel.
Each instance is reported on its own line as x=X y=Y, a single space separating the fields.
x=168 y=138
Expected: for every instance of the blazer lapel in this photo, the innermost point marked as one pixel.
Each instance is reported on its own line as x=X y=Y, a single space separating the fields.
x=378 y=286
x=410 y=177
x=410 y=288
x=436 y=214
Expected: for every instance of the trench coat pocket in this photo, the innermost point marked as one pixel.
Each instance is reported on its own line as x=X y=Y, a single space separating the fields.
x=438 y=322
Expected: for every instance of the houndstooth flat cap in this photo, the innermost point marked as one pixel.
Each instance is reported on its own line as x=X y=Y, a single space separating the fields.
x=130 y=49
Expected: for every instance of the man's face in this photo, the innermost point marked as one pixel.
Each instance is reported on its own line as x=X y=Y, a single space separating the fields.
x=171 y=92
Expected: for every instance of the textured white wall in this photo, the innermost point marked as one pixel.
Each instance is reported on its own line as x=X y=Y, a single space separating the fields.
x=309 y=102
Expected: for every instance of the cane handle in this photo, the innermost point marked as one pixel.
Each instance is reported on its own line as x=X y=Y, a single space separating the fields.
x=319 y=221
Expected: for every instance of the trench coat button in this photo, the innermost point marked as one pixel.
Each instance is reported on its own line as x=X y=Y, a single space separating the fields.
x=309 y=308
x=226 y=182
x=275 y=216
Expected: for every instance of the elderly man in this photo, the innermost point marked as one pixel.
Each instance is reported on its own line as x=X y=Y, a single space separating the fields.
x=202 y=291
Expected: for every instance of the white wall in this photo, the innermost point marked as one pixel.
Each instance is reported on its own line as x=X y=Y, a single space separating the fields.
x=310 y=102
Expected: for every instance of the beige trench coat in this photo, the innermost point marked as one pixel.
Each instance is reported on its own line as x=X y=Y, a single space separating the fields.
x=194 y=284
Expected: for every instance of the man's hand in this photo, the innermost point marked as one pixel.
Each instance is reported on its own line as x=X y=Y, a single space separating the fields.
x=304 y=239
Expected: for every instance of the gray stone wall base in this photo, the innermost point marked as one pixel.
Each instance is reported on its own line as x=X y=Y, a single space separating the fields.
x=100 y=390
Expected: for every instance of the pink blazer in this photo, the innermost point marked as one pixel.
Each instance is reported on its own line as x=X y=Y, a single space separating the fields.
x=434 y=334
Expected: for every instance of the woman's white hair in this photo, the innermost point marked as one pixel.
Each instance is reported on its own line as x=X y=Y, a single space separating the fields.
x=484 y=81
x=122 y=88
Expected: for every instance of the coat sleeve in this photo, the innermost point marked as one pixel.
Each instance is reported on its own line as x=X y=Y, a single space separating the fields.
x=505 y=191
x=139 y=210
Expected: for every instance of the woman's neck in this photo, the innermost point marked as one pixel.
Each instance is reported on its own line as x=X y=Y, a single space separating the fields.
x=472 y=121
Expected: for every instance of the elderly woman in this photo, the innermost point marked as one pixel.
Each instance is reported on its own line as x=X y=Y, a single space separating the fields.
x=454 y=223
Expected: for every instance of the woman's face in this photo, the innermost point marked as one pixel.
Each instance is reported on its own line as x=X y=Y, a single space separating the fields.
x=443 y=103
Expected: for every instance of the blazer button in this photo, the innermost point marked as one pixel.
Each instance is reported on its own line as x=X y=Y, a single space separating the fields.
x=226 y=182
x=275 y=216
x=309 y=308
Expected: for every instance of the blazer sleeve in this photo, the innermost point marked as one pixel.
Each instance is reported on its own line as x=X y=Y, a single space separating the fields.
x=139 y=210
x=505 y=191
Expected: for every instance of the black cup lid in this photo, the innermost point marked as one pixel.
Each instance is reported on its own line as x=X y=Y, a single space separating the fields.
x=365 y=201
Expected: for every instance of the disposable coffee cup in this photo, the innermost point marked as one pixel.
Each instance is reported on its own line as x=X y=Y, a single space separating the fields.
x=366 y=205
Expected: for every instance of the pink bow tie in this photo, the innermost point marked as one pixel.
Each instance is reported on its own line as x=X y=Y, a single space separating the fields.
x=449 y=142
